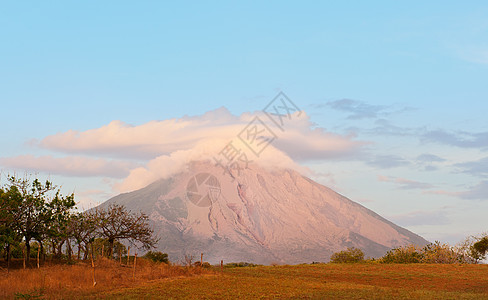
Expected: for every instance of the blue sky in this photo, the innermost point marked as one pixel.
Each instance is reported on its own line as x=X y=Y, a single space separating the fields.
x=408 y=80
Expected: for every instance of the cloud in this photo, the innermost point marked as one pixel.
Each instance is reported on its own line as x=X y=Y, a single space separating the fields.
x=385 y=127
x=429 y=158
x=356 y=109
x=476 y=168
x=417 y=218
x=429 y=161
x=404 y=183
x=90 y=198
x=69 y=166
x=165 y=147
x=167 y=165
x=458 y=139
x=476 y=192
x=301 y=139
x=387 y=161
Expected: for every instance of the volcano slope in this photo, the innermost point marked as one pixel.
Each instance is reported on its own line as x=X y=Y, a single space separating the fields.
x=258 y=215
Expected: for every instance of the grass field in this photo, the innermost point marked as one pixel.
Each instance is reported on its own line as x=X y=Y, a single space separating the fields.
x=321 y=281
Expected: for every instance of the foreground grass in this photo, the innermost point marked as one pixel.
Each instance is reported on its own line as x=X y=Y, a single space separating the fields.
x=61 y=281
x=331 y=281
x=325 y=281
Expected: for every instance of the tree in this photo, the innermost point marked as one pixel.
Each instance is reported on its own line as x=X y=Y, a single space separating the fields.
x=438 y=253
x=10 y=200
x=83 y=229
x=350 y=255
x=116 y=222
x=42 y=210
x=157 y=256
x=481 y=247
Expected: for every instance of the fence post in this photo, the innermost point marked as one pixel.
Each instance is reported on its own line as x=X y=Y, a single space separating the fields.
x=201 y=259
x=38 y=250
x=221 y=266
x=23 y=254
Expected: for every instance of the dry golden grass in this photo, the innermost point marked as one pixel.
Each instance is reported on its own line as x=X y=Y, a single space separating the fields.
x=323 y=281
x=76 y=281
x=327 y=281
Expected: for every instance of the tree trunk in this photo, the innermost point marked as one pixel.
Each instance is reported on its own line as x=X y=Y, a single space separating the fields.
x=8 y=258
x=53 y=245
x=68 y=249
x=111 y=247
x=86 y=251
x=41 y=250
x=7 y=249
x=27 y=249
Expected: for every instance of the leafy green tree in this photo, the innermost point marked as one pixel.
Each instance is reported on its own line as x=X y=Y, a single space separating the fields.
x=10 y=213
x=481 y=247
x=157 y=256
x=350 y=255
x=42 y=209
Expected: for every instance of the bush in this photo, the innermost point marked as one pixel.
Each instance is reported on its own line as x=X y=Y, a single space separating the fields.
x=351 y=255
x=157 y=256
x=240 y=265
x=205 y=265
x=437 y=253
x=403 y=255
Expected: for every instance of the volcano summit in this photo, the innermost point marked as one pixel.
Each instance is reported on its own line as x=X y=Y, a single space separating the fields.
x=258 y=215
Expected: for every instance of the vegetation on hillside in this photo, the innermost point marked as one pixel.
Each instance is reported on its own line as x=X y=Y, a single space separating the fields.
x=473 y=250
x=36 y=220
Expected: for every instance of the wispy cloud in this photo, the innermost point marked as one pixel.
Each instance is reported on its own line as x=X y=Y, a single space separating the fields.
x=403 y=183
x=476 y=168
x=429 y=158
x=387 y=161
x=301 y=140
x=356 y=109
x=418 y=218
x=476 y=192
x=429 y=162
x=70 y=166
x=165 y=147
x=458 y=139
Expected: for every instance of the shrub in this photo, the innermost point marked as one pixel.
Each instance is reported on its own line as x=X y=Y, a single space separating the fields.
x=205 y=265
x=157 y=256
x=403 y=255
x=350 y=255
x=240 y=265
x=437 y=253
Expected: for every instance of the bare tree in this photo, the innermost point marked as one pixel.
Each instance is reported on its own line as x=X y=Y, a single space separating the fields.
x=83 y=228
x=116 y=223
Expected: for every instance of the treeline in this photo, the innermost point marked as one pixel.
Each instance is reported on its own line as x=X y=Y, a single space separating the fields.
x=37 y=214
x=471 y=251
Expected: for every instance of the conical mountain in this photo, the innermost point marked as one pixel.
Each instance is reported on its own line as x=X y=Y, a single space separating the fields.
x=259 y=216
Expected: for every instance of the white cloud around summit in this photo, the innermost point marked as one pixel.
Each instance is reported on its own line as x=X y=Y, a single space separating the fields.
x=141 y=154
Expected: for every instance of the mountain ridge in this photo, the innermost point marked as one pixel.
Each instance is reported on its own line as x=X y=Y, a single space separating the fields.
x=258 y=215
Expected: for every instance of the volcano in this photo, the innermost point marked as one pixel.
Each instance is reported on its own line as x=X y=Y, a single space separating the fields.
x=258 y=215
